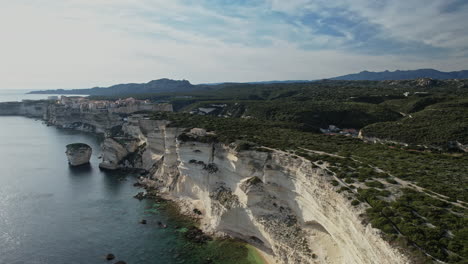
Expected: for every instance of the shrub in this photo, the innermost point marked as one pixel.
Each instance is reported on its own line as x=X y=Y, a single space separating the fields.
x=375 y=184
x=392 y=181
x=349 y=180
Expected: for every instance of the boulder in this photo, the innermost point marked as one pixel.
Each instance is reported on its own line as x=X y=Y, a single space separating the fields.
x=196 y=235
x=78 y=154
x=110 y=256
x=140 y=196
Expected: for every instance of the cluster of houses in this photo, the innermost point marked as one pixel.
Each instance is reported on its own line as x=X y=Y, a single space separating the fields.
x=334 y=130
x=127 y=105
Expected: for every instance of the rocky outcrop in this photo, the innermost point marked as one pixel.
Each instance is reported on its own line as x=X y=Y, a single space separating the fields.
x=133 y=145
x=78 y=154
x=115 y=151
x=278 y=202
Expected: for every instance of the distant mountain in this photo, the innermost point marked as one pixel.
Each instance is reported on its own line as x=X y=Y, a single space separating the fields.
x=261 y=82
x=156 y=86
x=403 y=75
x=177 y=86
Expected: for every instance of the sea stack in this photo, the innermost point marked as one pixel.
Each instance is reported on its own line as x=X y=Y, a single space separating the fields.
x=78 y=154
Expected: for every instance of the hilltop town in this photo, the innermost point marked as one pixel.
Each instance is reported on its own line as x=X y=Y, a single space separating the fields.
x=125 y=106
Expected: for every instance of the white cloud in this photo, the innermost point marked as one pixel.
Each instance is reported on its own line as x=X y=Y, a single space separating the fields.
x=84 y=43
x=423 y=21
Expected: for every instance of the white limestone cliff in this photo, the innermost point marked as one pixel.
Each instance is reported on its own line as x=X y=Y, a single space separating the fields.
x=29 y=108
x=278 y=202
x=74 y=119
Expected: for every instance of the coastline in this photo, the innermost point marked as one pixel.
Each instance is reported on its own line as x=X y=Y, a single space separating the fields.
x=191 y=188
x=176 y=217
x=182 y=211
x=254 y=255
x=262 y=257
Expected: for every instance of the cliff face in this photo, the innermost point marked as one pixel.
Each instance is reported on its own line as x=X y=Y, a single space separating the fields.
x=62 y=117
x=89 y=121
x=279 y=202
x=134 y=146
x=35 y=109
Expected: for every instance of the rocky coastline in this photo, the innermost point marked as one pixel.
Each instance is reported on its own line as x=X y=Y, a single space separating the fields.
x=280 y=203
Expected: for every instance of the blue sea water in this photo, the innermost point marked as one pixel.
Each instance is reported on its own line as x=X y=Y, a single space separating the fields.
x=51 y=213
x=19 y=95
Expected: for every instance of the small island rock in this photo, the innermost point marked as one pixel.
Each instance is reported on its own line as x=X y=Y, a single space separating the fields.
x=78 y=154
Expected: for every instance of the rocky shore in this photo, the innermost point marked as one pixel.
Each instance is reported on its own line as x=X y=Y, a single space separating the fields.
x=281 y=203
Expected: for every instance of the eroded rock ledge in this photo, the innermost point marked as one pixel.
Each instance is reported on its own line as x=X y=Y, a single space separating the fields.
x=276 y=201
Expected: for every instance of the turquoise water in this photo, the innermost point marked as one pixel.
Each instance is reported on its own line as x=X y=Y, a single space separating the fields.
x=51 y=213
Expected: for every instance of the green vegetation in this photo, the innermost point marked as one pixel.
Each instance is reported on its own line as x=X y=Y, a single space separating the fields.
x=424 y=212
x=437 y=108
x=435 y=125
x=440 y=173
x=423 y=222
x=314 y=115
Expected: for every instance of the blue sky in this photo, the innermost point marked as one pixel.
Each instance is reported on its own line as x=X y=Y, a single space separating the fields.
x=86 y=43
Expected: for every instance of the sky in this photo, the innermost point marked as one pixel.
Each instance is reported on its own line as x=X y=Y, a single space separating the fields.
x=51 y=44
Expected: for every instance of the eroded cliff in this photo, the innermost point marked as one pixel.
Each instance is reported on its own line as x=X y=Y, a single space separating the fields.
x=95 y=122
x=29 y=108
x=279 y=202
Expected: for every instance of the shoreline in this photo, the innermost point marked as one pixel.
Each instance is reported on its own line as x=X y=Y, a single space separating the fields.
x=254 y=254
x=264 y=257
x=177 y=214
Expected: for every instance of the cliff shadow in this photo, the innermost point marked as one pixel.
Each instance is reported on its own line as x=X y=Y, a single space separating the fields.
x=83 y=170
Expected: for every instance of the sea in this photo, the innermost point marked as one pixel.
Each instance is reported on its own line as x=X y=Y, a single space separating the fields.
x=8 y=95
x=51 y=213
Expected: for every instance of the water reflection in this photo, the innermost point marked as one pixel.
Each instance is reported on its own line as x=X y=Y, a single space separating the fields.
x=112 y=181
x=52 y=213
x=83 y=170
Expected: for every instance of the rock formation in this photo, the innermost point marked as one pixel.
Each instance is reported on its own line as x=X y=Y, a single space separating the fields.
x=29 y=108
x=279 y=202
x=74 y=119
x=78 y=154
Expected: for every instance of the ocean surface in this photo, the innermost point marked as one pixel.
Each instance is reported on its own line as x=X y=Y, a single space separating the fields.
x=18 y=95
x=51 y=213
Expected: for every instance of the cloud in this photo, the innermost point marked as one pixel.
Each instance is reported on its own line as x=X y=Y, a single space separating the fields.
x=438 y=23
x=84 y=43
